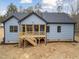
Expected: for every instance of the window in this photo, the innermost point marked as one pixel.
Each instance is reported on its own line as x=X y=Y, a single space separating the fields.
x=36 y=27
x=29 y=27
x=58 y=28
x=47 y=29
x=13 y=28
x=41 y=27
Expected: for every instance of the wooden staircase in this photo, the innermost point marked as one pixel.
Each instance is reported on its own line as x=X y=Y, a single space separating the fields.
x=30 y=39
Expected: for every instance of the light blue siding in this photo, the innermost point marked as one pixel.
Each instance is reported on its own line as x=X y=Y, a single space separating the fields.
x=11 y=37
x=33 y=19
x=66 y=33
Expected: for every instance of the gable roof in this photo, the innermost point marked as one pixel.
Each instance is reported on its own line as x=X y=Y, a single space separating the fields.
x=9 y=17
x=47 y=17
x=20 y=15
x=17 y=15
x=32 y=14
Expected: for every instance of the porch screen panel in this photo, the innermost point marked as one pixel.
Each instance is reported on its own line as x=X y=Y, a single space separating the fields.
x=29 y=28
x=41 y=27
x=36 y=28
x=23 y=28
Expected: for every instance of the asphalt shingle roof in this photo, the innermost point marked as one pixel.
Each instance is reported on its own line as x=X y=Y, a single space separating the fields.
x=49 y=17
x=57 y=18
x=20 y=15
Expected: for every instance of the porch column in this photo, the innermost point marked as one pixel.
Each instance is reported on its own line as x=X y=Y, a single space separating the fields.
x=19 y=35
x=45 y=34
x=26 y=29
x=33 y=29
x=45 y=28
x=39 y=29
x=19 y=30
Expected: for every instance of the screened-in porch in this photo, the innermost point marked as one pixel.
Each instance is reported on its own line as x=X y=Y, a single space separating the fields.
x=34 y=30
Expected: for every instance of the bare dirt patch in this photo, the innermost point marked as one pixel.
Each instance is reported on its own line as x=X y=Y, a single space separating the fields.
x=55 y=50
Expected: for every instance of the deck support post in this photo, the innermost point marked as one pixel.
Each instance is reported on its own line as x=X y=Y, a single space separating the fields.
x=24 y=43
x=45 y=41
x=39 y=40
x=45 y=34
x=19 y=43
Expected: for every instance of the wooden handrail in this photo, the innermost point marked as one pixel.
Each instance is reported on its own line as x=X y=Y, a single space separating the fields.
x=30 y=33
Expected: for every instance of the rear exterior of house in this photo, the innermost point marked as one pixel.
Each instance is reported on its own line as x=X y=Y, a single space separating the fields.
x=53 y=29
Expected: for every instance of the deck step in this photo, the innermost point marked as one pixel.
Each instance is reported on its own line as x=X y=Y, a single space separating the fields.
x=31 y=40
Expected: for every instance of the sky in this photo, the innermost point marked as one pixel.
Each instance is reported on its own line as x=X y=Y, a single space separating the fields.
x=25 y=4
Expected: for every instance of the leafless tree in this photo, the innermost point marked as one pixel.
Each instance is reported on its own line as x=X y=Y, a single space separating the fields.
x=77 y=6
x=59 y=5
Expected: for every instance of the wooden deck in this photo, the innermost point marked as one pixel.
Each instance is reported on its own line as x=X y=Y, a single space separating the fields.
x=32 y=33
x=31 y=38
